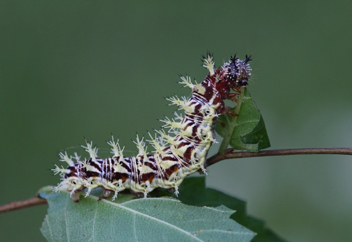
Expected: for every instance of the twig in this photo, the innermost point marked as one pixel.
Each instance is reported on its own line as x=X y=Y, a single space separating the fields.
x=229 y=154
x=22 y=204
x=232 y=154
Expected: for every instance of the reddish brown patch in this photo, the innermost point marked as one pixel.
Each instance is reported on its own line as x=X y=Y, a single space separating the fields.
x=221 y=109
x=151 y=178
x=147 y=177
x=187 y=155
x=171 y=170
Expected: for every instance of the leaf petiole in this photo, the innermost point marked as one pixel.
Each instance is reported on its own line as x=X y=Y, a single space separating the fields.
x=225 y=142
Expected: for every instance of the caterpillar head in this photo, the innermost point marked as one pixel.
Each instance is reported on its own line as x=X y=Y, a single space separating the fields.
x=239 y=71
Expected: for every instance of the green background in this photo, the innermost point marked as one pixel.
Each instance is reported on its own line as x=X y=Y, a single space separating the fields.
x=75 y=69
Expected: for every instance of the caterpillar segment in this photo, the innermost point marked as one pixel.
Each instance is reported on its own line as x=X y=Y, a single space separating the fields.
x=177 y=153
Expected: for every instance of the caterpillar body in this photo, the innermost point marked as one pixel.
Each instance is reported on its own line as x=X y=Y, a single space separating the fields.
x=175 y=156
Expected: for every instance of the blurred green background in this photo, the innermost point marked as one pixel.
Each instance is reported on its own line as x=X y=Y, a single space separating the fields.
x=75 y=69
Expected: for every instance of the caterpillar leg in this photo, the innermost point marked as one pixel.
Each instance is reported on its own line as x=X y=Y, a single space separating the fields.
x=107 y=193
x=75 y=195
x=176 y=191
x=230 y=113
x=233 y=97
x=147 y=189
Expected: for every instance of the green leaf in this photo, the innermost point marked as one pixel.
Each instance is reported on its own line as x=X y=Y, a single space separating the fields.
x=151 y=219
x=246 y=130
x=194 y=192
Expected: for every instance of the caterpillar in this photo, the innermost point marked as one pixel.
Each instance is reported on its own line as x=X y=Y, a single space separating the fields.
x=179 y=152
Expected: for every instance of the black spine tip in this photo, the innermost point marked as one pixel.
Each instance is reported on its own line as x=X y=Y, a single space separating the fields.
x=248 y=59
x=234 y=58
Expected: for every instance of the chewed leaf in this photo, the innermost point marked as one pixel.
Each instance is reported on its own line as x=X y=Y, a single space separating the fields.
x=156 y=219
x=258 y=136
x=247 y=130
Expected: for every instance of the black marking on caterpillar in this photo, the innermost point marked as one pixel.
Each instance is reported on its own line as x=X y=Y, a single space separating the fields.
x=175 y=156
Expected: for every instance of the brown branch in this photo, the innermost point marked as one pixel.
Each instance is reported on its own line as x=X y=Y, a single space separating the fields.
x=229 y=154
x=232 y=154
x=22 y=204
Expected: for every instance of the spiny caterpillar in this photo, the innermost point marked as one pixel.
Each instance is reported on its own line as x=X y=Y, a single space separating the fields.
x=175 y=156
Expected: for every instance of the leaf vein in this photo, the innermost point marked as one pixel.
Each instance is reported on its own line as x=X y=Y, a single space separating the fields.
x=134 y=227
x=230 y=232
x=51 y=234
x=68 y=198
x=153 y=218
x=95 y=215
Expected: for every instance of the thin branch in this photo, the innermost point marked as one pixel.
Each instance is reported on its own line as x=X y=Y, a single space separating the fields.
x=229 y=154
x=232 y=154
x=22 y=204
